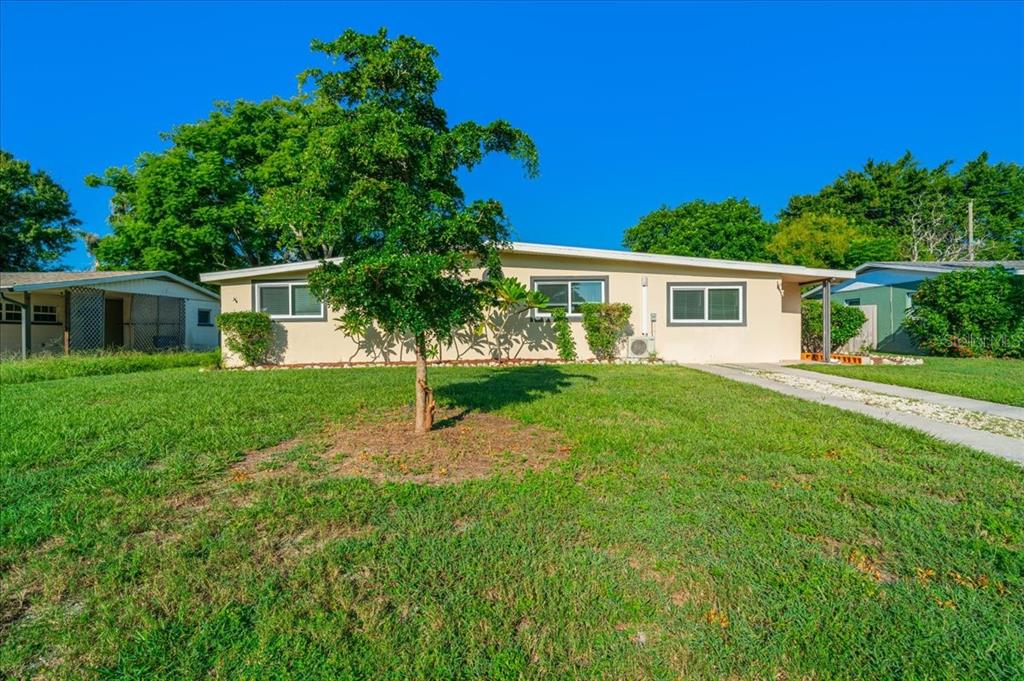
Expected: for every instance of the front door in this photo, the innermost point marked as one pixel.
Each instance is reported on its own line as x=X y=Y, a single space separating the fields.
x=113 y=323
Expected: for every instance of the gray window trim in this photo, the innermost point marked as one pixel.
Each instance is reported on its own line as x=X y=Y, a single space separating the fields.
x=538 y=316
x=201 y=310
x=322 y=317
x=742 y=285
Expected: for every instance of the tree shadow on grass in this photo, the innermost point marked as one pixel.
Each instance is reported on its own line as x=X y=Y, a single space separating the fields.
x=502 y=387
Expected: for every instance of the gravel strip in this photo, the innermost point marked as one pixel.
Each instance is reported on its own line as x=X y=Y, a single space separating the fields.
x=962 y=417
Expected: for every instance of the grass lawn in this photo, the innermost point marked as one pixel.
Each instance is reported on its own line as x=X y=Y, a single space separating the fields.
x=50 y=368
x=698 y=528
x=994 y=380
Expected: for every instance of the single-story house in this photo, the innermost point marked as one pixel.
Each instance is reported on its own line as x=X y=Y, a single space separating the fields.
x=684 y=309
x=884 y=290
x=69 y=311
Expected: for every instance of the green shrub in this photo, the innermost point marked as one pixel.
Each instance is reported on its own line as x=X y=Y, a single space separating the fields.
x=250 y=335
x=564 y=341
x=846 y=323
x=970 y=312
x=605 y=325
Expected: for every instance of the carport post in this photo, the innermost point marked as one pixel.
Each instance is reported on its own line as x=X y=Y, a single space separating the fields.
x=826 y=321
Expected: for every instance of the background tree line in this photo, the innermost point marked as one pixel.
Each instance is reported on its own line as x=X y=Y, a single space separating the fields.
x=885 y=211
x=261 y=182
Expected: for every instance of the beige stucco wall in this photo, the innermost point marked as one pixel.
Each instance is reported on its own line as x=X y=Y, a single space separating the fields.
x=771 y=332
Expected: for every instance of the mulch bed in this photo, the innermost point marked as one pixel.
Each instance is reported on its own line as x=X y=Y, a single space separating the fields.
x=463 y=445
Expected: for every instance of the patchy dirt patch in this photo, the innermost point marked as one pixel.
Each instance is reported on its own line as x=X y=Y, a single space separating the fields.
x=463 y=445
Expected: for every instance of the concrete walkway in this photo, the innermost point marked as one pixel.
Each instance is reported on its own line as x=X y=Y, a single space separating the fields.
x=990 y=427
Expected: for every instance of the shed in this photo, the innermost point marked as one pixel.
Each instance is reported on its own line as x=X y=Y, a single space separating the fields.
x=75 y=311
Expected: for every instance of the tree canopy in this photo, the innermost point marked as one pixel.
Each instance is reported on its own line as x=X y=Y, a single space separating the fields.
x=831 y=241
x=388 y=200
x=733 y=229
x=197 y=206
x=924 y=210
x=37 y=225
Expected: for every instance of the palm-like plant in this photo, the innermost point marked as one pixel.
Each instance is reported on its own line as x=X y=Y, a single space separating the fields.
x=511 y=300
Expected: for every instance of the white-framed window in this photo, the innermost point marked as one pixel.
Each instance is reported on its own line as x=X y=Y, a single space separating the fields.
x=706 y=304
x=44 y=314
x=288 y=300
x=570 y=294
x=204 y=317
x=11 y=312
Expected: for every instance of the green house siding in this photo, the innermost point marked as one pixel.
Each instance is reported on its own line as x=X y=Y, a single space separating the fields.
x=892 y=305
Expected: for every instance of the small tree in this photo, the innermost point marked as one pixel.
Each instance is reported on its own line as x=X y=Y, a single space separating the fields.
x=969 y=312
x=564 y=341
x=393 y=206
x=846 y=323
x=250 y=335
x=605 y=325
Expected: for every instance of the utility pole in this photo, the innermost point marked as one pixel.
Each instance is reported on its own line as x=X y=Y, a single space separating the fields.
x=970 y=229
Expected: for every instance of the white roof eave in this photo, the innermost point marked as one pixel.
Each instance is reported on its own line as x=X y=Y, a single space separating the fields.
x=804 y=273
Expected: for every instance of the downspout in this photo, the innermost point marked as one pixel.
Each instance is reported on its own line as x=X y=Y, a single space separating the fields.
x=645 y=318
x=826 y=321
x=26 y=328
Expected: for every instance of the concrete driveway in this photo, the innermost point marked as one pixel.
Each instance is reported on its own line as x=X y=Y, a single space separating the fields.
x=990 y=427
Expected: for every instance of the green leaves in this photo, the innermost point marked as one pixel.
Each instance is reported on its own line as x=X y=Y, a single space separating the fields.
x=732 y=229
x=397 y=214
x=814 y=240
x=846 y=322
x=924 y=210
x=37 y=225
x=977 y=311
x=198 y=205
x=250 y=335
x=605 y=325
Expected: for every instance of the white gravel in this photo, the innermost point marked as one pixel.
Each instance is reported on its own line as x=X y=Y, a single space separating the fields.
x=1000 y=425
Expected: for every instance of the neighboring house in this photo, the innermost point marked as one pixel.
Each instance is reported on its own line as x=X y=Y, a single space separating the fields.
x=889 y=287
x=69 y=311
x=685 y=309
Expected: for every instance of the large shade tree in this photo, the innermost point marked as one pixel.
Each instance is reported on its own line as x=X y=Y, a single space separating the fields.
x=386 y=197
x=196 y=206
x=732 y=229
x=37 y=225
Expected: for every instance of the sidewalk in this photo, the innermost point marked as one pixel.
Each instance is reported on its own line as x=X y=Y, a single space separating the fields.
x=997 y=429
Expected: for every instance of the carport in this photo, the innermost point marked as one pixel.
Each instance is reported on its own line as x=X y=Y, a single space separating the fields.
x=75 y=311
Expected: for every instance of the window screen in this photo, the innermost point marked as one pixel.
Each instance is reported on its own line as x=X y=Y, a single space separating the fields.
x=304 y=303
x=585 y=292
x=687 y=304
x=557 y=293
x=724 y=304
x=274 y=300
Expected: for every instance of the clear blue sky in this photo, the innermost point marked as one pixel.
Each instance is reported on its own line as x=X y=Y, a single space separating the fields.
x=632 y=105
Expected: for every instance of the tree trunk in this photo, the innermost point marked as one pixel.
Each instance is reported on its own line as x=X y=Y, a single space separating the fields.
x=424 y=395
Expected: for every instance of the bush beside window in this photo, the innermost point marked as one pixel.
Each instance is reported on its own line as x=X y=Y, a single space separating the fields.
x=564 y=341
x=250 y=335
x=970 y=312
x=846 y=323
x=605 y=325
